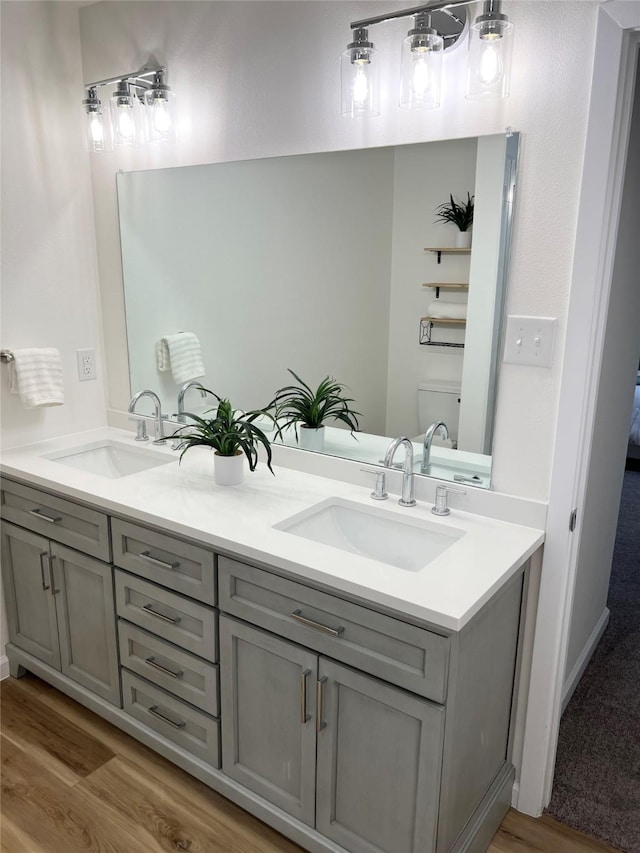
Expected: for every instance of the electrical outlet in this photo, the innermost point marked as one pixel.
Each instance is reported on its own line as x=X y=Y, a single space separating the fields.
x=86 y=364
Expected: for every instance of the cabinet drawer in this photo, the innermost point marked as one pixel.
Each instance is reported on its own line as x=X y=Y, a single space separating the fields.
x=402 y=654
x=183 y=622
x=171 y=562
x=176 y=671
x=176 y=721
x=84 y=529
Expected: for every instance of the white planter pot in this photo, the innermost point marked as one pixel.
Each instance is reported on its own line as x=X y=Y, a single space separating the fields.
x=310 y=438
x=228 y=470
x=463 y=239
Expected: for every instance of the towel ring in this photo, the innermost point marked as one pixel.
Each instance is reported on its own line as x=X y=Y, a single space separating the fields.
x=6 y=356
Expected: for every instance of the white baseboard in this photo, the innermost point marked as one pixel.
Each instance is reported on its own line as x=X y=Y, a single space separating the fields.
x=575 y=675
x=4 y=667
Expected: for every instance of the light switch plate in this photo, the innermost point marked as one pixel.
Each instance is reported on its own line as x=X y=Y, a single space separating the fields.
x=529 y=340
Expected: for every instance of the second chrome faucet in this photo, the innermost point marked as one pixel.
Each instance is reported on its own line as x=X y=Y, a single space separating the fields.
x=407 y=498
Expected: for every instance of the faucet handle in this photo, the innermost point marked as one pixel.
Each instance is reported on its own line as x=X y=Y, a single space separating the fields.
x=141 y=429
x=440 y=507
x=379 y=492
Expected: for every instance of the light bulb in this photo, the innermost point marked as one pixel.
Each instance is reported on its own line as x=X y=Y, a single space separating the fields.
x=421 y=74
x=126 y=125
x=96 y=131
x=360 y=86
x=160 y=116
x=491 y=67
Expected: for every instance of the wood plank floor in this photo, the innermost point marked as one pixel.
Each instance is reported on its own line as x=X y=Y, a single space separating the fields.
x=73 y=782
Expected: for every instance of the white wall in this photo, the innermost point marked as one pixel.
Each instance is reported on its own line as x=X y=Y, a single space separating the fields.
x=273 y=264
x=423 y=179
x=616 y=386
x=49 y=273
x=281 y=97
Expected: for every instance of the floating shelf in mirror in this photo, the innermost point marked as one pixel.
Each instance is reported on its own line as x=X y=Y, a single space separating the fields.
x=443 y=285
x=444 y=250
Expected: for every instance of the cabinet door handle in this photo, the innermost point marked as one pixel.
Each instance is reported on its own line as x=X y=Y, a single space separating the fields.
x=52 y=519
x=152 y=662
x=52 y=578
x=335 y=632
x=145 y=555
x=319 y=699
x=304 y=717
x=153 y=710
x=45 y=585
x=149 y=609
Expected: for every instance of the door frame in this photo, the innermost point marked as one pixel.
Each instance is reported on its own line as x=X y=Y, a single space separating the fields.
x=615 y=58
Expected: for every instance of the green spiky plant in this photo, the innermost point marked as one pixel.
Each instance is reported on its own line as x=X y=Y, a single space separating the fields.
x=229 y=432
x=460 y=215
x=299 y=405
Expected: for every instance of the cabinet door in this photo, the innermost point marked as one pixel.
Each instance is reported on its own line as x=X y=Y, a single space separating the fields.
x=268 y=716
x=379 y=757
x=86 y=621
x=31 y=609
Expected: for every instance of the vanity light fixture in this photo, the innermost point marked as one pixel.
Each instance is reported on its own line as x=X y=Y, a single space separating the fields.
x=490 y=43
x=437 y=26
x=141 y=108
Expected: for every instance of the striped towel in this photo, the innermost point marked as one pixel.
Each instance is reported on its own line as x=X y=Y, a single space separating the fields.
x=36 y=375
x=181 y=354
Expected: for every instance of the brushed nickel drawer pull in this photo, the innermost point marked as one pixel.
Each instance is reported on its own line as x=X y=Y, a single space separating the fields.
x=319 y=710
x=45 y=585
x=304 y=717
x=160 y=563
x=149 y=609
x=152 y=662
x=153 y=710
x=38 y=513
x=297 y=615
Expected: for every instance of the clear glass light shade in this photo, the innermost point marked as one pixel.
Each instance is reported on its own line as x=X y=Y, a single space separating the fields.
x=160 y=115
x=126 y=120
x=360 y=83
x=421 y=73
x=489 y=71
x=97 y=136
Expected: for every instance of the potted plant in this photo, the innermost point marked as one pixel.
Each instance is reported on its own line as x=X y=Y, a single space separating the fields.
x=231 y=434
x=300 y=407
x=461 y=215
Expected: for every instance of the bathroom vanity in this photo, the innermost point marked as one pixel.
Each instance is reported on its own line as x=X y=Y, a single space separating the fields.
x=352 y=704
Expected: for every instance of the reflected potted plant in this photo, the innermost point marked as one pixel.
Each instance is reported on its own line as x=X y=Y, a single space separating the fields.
x=306 y=410
x=461 y=215
x=232 y=434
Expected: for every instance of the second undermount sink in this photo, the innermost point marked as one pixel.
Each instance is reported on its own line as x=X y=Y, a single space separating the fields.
x=108 y=458
x=408 y=544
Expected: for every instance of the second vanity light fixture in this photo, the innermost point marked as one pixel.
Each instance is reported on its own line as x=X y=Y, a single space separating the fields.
x=490 y=39
x=142 y=108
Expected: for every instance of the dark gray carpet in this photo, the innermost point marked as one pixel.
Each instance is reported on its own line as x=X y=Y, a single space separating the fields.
x=597 y=781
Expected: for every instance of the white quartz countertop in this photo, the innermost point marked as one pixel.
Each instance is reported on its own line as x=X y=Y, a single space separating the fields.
x=184 y=499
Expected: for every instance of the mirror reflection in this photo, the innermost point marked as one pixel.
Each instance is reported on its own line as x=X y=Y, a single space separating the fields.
x=328 y=265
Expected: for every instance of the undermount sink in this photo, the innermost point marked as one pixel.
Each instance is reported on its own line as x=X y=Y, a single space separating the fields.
x=109 y=459
x=409 y=544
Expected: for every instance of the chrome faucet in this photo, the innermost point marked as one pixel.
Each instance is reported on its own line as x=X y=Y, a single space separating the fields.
x=425 y=467
x=407 y=498
x=158 y=425
x=181 y=393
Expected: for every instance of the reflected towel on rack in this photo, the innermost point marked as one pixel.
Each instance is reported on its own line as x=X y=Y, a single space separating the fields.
x=36 y=375
x=182 y=355
x=440 y=309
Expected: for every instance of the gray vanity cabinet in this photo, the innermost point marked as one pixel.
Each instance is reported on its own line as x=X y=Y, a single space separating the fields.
x=60 y=609
x=379 y=759
x=268 y=716
x=342 y=751
x=31 y=608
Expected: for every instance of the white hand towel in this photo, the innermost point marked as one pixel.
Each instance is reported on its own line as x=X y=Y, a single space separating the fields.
x=36 y=375
x=182 y=355
x=443 y=310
